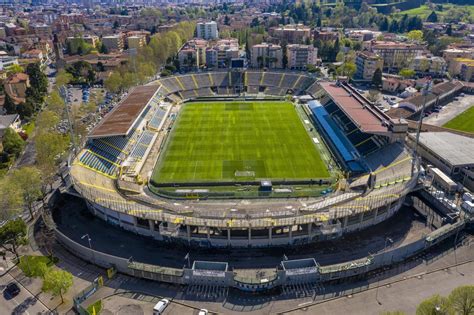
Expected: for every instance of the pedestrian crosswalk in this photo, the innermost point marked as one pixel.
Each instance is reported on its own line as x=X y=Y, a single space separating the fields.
x=207 y=292
x=302 y=290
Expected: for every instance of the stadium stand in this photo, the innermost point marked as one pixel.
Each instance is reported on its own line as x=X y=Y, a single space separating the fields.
x=253 y=78
x=157 y=119
x=340 y=144
x=142 y=145
x=187 y=82
x=98 y=163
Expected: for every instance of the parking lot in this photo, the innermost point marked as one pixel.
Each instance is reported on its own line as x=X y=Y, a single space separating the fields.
x=450 y=110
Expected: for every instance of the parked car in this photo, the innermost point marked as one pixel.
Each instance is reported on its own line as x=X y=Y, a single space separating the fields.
x=160 y=306
x=12 y=289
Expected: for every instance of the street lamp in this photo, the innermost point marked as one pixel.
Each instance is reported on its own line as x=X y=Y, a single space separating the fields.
x=90 y=246
x=425 y=91
x=455 y=256
x=387 y=239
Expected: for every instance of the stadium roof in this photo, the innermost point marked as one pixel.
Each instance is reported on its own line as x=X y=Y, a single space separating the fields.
x=365 y=118
x=122 y=118
x=453 y=148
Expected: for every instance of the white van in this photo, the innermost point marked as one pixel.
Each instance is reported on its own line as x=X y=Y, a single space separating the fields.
x=160 y=306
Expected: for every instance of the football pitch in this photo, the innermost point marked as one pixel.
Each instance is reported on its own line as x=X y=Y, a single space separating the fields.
x=239 y=141
x=462 y=122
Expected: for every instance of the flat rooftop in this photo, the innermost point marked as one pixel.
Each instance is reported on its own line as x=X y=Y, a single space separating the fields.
x=121 y=119
x=356 y=109
x=456 y=149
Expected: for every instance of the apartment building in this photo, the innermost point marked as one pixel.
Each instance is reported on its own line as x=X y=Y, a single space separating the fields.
x=207 y=30
x=300 y=56
x=367 y=62
x=395 y=55
x=455 y=53
x=136 y=41
x=7 y=61
x=113 y=42
x=222 y=52
x=431 y=65
x=462 y=67
x=292 y=33
x=193 y=54
x=267 y=55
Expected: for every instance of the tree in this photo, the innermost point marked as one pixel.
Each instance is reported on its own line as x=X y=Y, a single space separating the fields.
x=13 y=69
x=415 y=35
x=340 y=56
x=11 y=202
x=50 y=147
x=347 y=69
x=12 y=235
x=12 y=143
x=373 y=96
x=377 y=78
x=29 y=183
x=461 y=300
x=9 y=105
x=38 y=80
x=449 y=30
x=113 y=82
x=27 y=108
x=57 y=282
x=63 y=77
x=47 y=120
x=407 y=73
x=434 y=305
x=433 y=17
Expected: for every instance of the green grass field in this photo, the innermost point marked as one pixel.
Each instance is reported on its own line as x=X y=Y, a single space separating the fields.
x=239 y=141
x=462 y=122
x=423 y=11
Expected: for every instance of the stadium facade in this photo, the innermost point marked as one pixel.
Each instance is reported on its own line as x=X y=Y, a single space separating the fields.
x=111 y=172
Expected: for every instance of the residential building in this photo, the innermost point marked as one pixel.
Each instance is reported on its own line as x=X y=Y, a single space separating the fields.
x=222 y=53
x=36 y=55
x=113 y=42
x=454 y=53
x=267 y=55
x=41 y=30
x=292 y=33
x=325 y=35
x=432 y=65
x=9 y=121
x=207 y=30
x=300 y=56
x=136 y=41
x=7 y=61
x=395 y=55
x=367 y=62
x=16 y=85
x=462 y=67
x=193 y=54
x=88 y=39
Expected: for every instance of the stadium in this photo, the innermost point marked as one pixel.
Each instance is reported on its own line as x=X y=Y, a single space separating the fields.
x=244 y=159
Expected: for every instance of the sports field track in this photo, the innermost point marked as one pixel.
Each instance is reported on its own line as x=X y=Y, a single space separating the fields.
x=239 y=141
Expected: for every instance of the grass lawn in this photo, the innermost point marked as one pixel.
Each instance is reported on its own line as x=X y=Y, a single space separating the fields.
x=462 y=122
x=423 y=11
x=239 y=141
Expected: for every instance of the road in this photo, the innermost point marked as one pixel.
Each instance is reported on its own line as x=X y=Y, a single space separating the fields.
x=23 y=303
x=402 y=296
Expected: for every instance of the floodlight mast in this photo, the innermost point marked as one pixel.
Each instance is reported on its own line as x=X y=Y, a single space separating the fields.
x=425 y=91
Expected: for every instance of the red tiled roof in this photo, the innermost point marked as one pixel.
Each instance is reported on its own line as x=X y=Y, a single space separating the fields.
x=119 y=121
